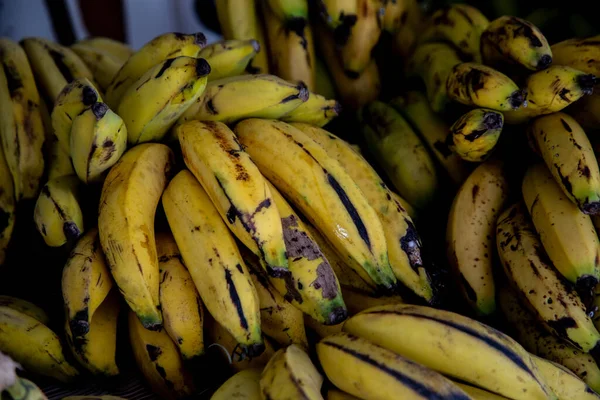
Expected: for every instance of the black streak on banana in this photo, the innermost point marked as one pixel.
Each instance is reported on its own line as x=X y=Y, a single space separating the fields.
x=70 y=229
x=60 y=64
x=13 y=79
x=235 y=299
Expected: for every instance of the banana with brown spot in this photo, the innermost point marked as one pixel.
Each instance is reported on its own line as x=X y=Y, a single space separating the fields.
x=317 y=110
x=245 y=385
x=564 y=383
x=229 y=57
x=475 y=134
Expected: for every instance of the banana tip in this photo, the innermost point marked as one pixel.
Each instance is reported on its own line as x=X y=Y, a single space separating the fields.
x=200 y=39
x=303 y=92
x=337 y=108
x=202 y=67
x=517 y=99
x=586 y=83
x=337 y=316
x=493 y=120
x=591 y=208
x=255 y=45
x=544 y=61
x=254 y=350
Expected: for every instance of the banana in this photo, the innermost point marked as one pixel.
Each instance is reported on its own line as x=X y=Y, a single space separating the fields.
x=516 y=41
x=478 y=394
x=319 y=186
x=317 y=110
x=400 y=153
x=579 y=53
x=564 y=383
x=569 y=155
x=567 y=234
x=402 y=239
x=551 y=90
x=333 y=394
x=59 y=162
x=475 y=134
x=118 y=50
x=453 y=345
x=173 y=85
x=181 y=306
x=23 y=389
x=470 y=252
x=525 y=265
x=33 y=345
x=98 y=140
x=412 y=212
x=242 y=21
x=229 y=57
x=7 y=207
x=159 y=361
x=358 y=301
x=245 y=385
x=459 y=24
x=290 y=374
x=57 y=214
x=158 y=50
x=320 y=329
x=213 y=260
x=21 y=127
x=433 y=63
x=340 y=15
x=291 y=11
x=246 y=96
x=130 y=195
x=75 y=98
x=368 y=371
x=25 y=307
x=54 y=65
x=96 y=349
x=537 y=340
x=101 y=63
x=400 y=13
x=476 y=85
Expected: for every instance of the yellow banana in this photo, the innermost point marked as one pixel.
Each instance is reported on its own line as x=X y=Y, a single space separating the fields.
x=333 y=394
x=564 y=383
x=245 y=385
x=103 y=65
x=229 y=57
x=181 y=306
x=7 y=207
x=400 y=14
x=412 y=212
x=475 y=134
x=128 y=202
x=118 y=50
x=57 y=214
x=358 y=301
x=317 y=110
x=340 y=15
x=59 y=162
x=478 y=394
x=290 y=11
x=470 y=252
x=25 y=307
x=319 y=186
x=213 y=260
x=579 y=53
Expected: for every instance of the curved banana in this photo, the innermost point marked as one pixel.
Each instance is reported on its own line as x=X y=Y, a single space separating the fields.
x=475 y=134
x=7 y=207
x=517 y=41
x=118 y=50
x=478 y=394
x=564 y=383
x=368 y=371
x=25 y=307
x=245 y=385
x=158 y=50
x=57 y=214
x=213 y=260
x=319 y=186
x=579 y=53
x=128 y=202
x=103 y=65
x=477 y=205
x=291 y=11
x=358 y=301
x=317 y=110
x=229 y=57
x=180 y=303
x=476 y=85
x=59 y=162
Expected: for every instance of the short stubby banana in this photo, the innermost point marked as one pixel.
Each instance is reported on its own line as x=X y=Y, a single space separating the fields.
x=579 y=53
x=453 y=345
x=260 y=96
x=540 y=284
x=480 y=86
x=163 y=47
x=516 y=41
x=317 y=110
x=173 y=85
x=567 y=234
x=7 y=207
x=245 y=385
x=564 y=383
x=368 y=371
x=400 y=152
x=319 y=186
x=403 y=241
x=101 y=63
x=57 y=214
x=180 y=303
x=569 y=155
x=25 y=307
x=470 y=251
x=128 y=202
x=212 y=257
x=475 y=134
x=229 y=57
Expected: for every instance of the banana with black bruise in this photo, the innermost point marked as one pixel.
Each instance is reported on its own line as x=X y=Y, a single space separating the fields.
x=475 y=134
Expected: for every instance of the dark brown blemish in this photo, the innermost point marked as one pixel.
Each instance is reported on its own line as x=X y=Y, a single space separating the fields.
x=297 y=243
x=326 y=281
x=153 y=352
x=526 y=30
x=88 y=96
x=474 y=192
x=410 y=244
x=235 y=299
x=79 y=324
x=13 y=79
x=564 y=179
x=210 y=106
x=58 y=59
x=202 y=67
x=566 y=126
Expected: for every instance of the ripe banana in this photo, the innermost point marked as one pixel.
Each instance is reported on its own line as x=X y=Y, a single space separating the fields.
x=564 y=383
x=25 y=307
x=358 y=301
x=118 y=50
x=7 y=207
x=400 y=14
x=319 y=186
x=98 y=140
x=21 y=126
x=291 y=374
x=59 y=162
x=368 y=371
x=340 y=15
x=333 y=394
x=569 y=155
x=159 y=361
x=213 y=260
x=480 y=86
x=567 y=234
x=475 y=134
x=57 y=214
x=579 y=53
x=412 y=212
x=101 y=63
x=33 y=345
x=180 y=303
x=317 y=110
x=470 y=252
x=292 y=12
x=242 y=21
x=245 y=385
x=453 y=345
x=158 y=50
x=459 y=24
x=128 y=202
x=400 y=153
x=229 y=57
x=402 y=239
x=434 y=131
x=516 y=41
x=525 y=264
x=478 y=394
x=173 y=85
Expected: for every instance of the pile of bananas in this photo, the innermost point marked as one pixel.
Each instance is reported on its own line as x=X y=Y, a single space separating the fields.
x=210 y=219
